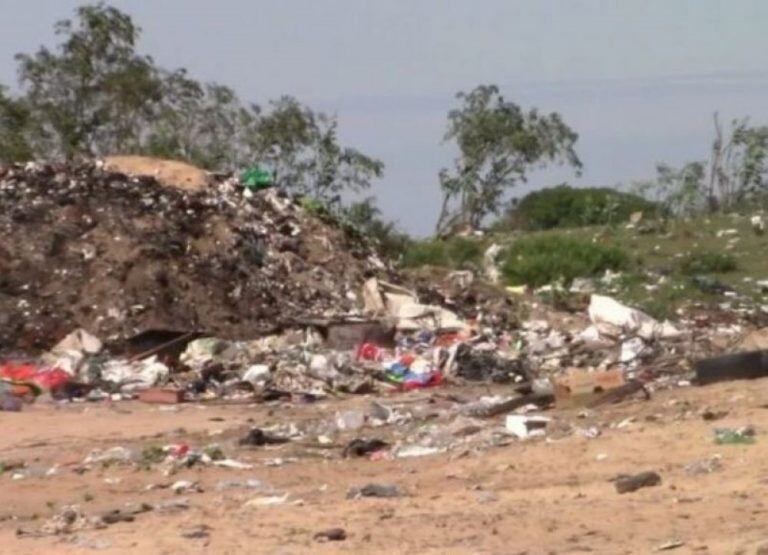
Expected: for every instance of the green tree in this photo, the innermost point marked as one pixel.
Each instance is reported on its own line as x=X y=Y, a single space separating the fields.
x=302 y=148
x=749 y=150
x=14 y=128
x=206 y=125
x=737 y=172
x=565 y=206
x=94 y=94
x=498 y=144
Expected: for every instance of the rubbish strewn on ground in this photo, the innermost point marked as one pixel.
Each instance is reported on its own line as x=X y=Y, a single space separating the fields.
x=374 y=490
x=735 y=436
x=228 y=292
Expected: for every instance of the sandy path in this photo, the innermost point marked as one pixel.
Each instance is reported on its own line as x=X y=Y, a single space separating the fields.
x=533 y=497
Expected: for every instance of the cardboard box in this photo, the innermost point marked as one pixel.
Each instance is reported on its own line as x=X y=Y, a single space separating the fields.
x=162 y=396
x=580 y=388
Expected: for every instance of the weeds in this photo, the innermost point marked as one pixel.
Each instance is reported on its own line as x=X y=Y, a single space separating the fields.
x=564 y=206
x=708 y=262
x=541 y=260
x=457 y=252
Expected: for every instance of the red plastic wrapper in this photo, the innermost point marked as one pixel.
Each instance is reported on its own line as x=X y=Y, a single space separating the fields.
x=435 y=379
x=45 y=378
x=369 y=351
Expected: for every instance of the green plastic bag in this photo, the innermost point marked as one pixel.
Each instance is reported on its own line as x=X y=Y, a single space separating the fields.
x=256 y=178
x=729 y=436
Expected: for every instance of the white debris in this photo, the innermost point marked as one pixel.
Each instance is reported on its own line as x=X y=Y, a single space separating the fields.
x=758 y=224
x=69 y=353
x=384 y=298
x=613 y=318
x=267 y=501
x=489 y=263
x=116 y=454
x=135 y=375
x=411 y=451
x=256 y=374
x=524 y=426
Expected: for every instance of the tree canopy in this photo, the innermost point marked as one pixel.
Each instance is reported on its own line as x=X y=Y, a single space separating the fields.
x=736 y=172
x=499 y=144
x=95 y=94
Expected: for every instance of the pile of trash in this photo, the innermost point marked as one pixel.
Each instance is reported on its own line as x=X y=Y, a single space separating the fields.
x=133 y=287
x=390 y=341
x=81 y=246
x=399 y=344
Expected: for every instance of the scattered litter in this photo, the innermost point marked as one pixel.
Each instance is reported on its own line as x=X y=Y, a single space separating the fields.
x=738 y=366
x=374 y=490
x=196 y=531
x=524 y=427
x=705 y=466
x=161 y=395
x=257 y=437
x=350 y=420
x=112 y=455
x=411 y=451
x=672 y=544
x=230 y=463
x=267 y=501
x=735 y=436
x=185 y=486
x=251 y=483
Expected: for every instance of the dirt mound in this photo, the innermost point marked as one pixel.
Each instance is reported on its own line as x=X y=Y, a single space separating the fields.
x=170 y=173
x=84 y=247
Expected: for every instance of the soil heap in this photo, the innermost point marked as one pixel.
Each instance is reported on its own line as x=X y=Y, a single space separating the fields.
x=81 y=246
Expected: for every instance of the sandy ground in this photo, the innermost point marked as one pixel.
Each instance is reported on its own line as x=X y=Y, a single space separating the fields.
x=535 y=497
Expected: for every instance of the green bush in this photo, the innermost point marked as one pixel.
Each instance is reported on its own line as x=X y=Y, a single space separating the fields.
x=538 y=261
x=707 y=262
x=564 y=206
x=456 y=252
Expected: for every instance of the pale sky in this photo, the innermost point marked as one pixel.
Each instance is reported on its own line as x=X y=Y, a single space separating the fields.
x=637 y=79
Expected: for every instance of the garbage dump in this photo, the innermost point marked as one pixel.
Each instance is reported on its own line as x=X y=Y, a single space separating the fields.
x=117 y=288
x=81 y=246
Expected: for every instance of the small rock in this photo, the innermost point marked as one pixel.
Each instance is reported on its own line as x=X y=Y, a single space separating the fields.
x=185 y=486
x=257 y=437
x=374 y=490
x=196 y=532
x=626 y=483
x=363 y=447
x=332 y=535
x=709 y=415
x=485 y=497
x=173 y=506
x=115 y=516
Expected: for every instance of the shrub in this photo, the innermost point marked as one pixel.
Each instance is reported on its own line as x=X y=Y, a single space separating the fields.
x=707 y=262
x=537 y=261
x=456 y=252
x=564 y=206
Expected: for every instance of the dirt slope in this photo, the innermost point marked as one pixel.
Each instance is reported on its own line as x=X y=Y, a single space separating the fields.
x=83 y=247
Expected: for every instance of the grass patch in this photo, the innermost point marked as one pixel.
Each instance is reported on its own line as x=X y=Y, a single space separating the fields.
x=565 y=207
x=708 y=262
x=547 y=259
x=457 y=252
